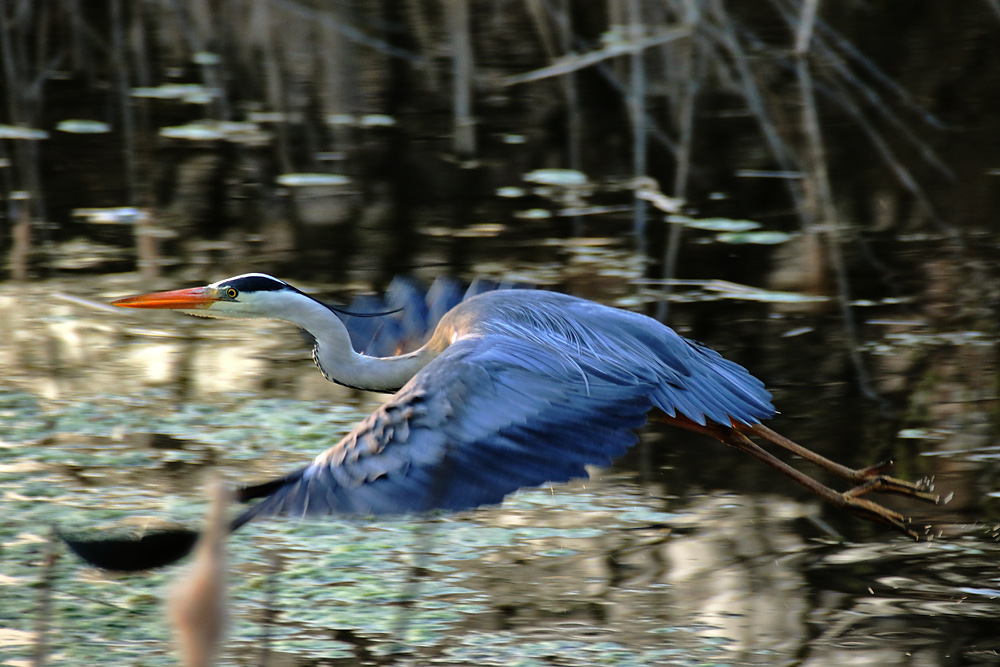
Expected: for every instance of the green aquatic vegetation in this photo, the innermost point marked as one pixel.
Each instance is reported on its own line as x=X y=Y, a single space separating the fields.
x=17 y=132
x=319 y=648
x=566 y=178
x=415 y=586
x=510 y=649
x=714 y=224
x=82 y=126
x=21 y=417
x=244 y=430
x=305 y=180
x=757 y=238
x=191 y=93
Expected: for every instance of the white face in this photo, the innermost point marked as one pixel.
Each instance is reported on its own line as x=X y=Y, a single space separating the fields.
x=249 y=295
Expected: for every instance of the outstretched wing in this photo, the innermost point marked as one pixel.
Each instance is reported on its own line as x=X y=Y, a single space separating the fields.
x=490 y=415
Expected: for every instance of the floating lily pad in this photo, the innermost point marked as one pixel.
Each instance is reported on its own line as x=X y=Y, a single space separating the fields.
x=534 y=214
x=340 y=119
x=510 y=192
x=377 y=120
x=778 y=297
x=115 y=215
x=191 y=93
x=367 y=120
x=272 y=117
x=206 y=58
x=216 y=131
x=18 y=132
x=737 y=292
x=971 y=338
x=560 y=177
x=757 y=238
x=714 y=224
x=308 y=179
x=76 y=126
x=482 y=230
x=195 y=131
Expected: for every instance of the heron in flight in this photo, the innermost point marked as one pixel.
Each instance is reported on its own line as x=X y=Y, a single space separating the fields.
x=514 y=388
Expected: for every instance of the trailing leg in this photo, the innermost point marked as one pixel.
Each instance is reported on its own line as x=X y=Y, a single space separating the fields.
x=870 y=479
x=867 y=479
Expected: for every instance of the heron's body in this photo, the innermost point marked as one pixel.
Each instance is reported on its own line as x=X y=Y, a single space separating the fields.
x=512 y=391
x=586 y=338
x=514 y=388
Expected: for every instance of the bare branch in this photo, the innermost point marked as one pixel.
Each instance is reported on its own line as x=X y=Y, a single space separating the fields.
x=574 y=63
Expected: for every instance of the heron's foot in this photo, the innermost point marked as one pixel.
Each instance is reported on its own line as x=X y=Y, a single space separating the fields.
x=876 y=481
x=872 y=479
x=865 y=480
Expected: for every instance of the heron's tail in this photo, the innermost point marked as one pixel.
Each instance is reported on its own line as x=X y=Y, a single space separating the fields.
x=130 y=551
x=263 y=490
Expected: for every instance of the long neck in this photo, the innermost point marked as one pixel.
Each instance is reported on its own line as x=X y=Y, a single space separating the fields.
x=340 y=363
x=337 y=359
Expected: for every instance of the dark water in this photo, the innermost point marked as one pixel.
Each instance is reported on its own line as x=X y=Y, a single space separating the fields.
x=346 y=168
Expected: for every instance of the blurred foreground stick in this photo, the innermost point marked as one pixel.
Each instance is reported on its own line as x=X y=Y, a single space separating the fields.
x=197 y=606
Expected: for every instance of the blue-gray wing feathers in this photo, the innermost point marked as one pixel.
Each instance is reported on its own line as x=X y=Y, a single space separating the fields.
x=505 y=407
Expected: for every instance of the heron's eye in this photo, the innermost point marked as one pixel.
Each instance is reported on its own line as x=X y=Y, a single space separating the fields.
x=232 y=293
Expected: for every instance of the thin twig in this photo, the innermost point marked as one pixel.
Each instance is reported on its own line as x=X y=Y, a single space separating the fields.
x=270 y=608
x=995 y=6
x=43 y=610
x=724 y=33
x=832 y=61
x=574 y=114
x=690 y=75
x=926 y=151
x=348 y=31
x=637 y=114
x=417 y=18
x=574 y=63
x=904 y=96
x=458 y=19
x=820 y=196
x=656 y=133
x=900 y=171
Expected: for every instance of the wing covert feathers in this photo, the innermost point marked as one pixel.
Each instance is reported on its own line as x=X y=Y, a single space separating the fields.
x=532 y=393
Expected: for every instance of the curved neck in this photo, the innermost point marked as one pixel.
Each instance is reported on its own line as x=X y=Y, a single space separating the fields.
x=337 y=359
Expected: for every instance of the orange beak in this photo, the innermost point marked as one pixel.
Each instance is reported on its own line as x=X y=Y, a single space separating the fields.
x=179 y=299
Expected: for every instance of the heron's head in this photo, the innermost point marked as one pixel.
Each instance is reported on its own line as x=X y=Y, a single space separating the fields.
x=251 y=295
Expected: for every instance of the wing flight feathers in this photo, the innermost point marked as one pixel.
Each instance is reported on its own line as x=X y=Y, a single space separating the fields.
x=504 y=408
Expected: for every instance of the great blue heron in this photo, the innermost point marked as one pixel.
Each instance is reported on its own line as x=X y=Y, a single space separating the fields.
x=514 y=388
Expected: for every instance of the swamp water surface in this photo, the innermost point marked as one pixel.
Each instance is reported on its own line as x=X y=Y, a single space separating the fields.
x=684 y=553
